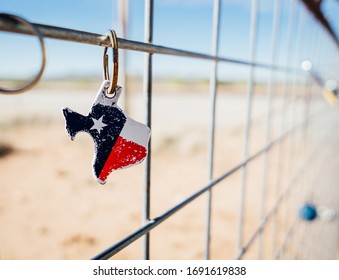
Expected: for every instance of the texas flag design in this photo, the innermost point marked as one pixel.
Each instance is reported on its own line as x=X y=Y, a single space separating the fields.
x=119 y=141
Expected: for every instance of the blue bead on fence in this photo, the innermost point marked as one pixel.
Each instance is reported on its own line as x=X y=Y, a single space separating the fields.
x=308 y=212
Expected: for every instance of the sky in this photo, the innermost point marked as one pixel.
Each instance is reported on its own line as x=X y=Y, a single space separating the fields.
x=179 y=24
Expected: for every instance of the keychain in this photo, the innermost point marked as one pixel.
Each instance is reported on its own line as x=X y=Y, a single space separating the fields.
x=120 y=141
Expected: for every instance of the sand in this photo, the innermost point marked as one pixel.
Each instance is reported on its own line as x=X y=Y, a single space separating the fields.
x=52 y=208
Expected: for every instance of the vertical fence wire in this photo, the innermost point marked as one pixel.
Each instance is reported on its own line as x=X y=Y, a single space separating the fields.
x=306 y=181
x=291 y=114
x=250 y=90
x=149 y=7
x=213 y=97
x=306 y=138
x=122 y=23
x=285 y=89
x=318 y=134
x=294 y=144
x=270 y=93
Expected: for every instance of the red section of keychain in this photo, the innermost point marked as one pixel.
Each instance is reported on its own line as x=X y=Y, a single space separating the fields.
x=123 y=154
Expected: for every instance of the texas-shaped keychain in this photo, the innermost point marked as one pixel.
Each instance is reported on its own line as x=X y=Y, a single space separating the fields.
x=120 y=141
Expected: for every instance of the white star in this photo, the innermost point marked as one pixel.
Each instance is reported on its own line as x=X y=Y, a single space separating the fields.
x=98 y=124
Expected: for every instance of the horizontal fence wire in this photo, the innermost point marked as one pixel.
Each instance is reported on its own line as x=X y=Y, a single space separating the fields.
x=102 y=40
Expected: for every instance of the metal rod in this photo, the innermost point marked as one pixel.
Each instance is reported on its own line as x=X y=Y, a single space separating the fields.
x=305 y=138
x=304 y=143
x=213 y=97
x=78 y=36
x=283 y=118
x=250 y=89
x=148 y=118
x=291 y=143
x=122 y=7
x=315 y=9
x=270 y=92
x=123 y=243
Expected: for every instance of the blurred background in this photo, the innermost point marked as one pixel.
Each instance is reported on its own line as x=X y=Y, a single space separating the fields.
x=271 y=117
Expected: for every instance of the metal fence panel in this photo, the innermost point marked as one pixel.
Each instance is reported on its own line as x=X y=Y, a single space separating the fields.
x=298 y=160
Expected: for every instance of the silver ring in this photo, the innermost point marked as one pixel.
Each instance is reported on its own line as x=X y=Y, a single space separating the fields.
x=36 y=32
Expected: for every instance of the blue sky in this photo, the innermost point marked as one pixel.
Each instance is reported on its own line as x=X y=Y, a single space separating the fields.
x=177 y=23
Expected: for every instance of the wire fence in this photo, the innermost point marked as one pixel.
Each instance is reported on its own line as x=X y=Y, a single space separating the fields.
x=289 y=153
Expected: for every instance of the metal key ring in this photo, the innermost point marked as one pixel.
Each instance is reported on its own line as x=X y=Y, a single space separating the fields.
x=43 y=62
x=114 y=82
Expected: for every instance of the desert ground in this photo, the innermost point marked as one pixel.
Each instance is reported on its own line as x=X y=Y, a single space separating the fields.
x=51 y=207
